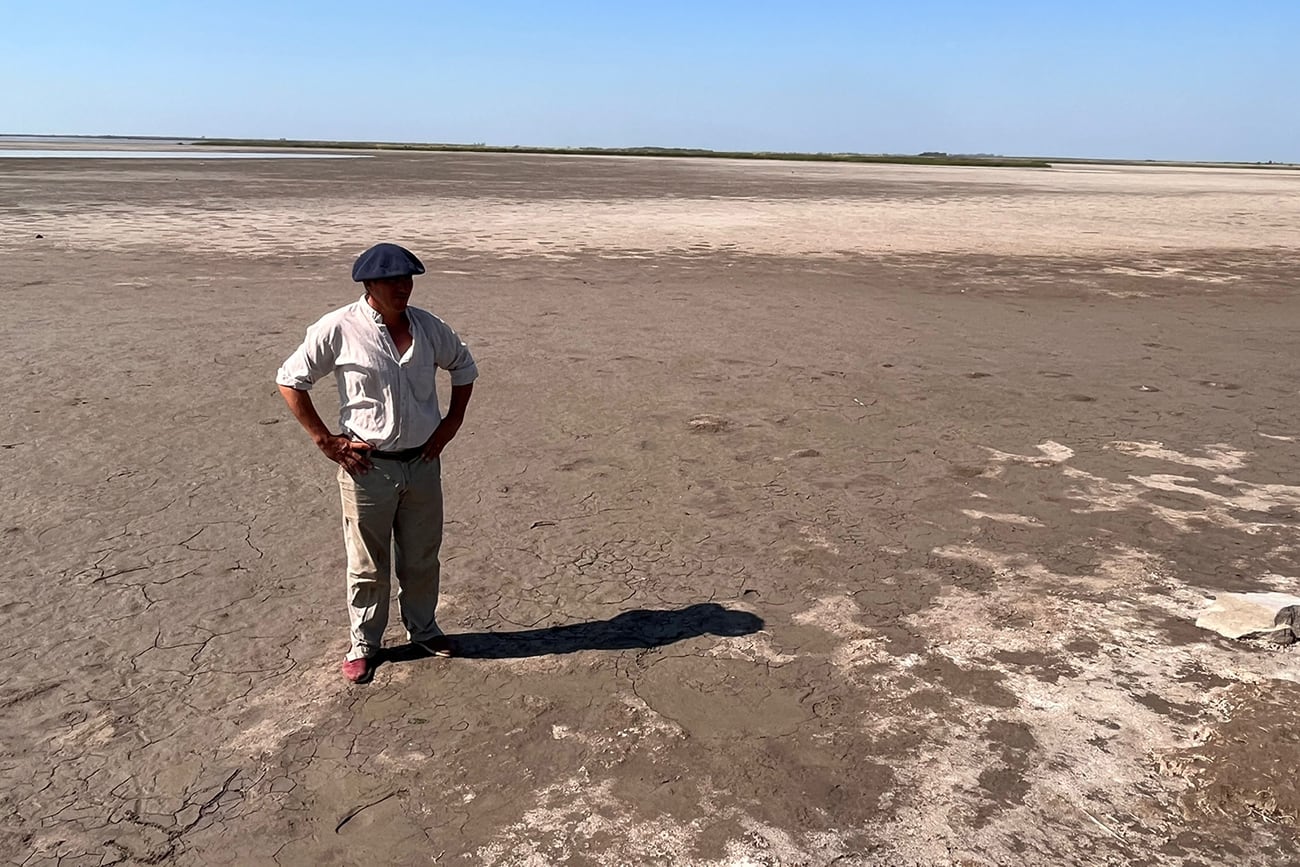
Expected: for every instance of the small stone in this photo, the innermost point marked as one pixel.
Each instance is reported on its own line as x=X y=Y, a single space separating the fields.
x=1274 y=617
x=708 y=424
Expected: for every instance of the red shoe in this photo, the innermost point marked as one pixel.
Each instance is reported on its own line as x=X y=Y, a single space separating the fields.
x=357 y=670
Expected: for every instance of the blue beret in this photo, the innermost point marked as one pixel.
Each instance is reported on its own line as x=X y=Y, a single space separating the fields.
x=385 y=260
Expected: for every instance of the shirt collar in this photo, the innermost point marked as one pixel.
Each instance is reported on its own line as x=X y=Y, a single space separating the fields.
x=375 y=315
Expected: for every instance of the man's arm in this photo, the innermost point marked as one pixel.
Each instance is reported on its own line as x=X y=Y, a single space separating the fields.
x=450 y=425
x=452 y=355
x=338 y=448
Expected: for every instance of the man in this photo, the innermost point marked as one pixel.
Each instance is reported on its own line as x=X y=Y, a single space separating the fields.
x=384 y=354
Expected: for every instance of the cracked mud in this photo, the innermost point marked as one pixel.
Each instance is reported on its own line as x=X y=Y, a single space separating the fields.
x=804 y=515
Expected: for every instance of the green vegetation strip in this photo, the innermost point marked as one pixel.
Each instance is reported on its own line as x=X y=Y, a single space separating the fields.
x=935 y=159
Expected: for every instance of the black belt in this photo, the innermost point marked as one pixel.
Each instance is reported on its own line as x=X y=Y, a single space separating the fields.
x=402 y=455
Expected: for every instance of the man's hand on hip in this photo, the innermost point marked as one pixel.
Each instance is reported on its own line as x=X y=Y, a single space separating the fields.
x=347 y=453
x=442 y=434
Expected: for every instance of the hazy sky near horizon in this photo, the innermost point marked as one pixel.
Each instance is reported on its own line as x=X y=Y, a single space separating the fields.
x=1158 y=79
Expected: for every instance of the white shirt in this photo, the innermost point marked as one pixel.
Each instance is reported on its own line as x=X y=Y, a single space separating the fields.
x=387 y=400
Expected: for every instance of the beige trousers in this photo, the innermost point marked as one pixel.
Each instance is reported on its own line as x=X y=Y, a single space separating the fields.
x=395 y=507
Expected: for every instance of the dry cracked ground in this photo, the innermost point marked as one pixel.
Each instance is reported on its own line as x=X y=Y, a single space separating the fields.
x=805 y=515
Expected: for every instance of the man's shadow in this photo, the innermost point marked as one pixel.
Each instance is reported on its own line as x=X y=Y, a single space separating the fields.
x=629 y=630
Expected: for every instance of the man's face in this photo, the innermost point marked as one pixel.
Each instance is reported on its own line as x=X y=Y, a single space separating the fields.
x=391 y=294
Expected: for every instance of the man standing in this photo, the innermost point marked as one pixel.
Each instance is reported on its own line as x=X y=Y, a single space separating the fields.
x=384 y=354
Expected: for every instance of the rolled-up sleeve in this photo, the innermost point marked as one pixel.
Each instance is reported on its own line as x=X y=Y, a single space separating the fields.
x=452 y=355
x=310 y=362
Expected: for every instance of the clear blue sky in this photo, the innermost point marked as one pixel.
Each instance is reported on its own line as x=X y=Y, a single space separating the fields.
x=1175 y=79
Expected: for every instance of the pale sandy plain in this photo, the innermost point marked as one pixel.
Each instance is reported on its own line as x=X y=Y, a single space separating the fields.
x=805 y=515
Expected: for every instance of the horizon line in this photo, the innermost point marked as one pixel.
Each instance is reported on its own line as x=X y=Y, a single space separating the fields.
x=928 y=156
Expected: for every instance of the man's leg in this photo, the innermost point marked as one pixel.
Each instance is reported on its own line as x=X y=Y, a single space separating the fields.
x=417 y=537
x=369 y=504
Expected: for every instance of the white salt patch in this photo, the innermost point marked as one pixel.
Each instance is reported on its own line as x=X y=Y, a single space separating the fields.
x=1220 y=456
x=1019 y=520
x=835 y=614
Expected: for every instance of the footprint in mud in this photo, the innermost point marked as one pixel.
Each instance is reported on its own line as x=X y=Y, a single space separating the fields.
x=1079 y=398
